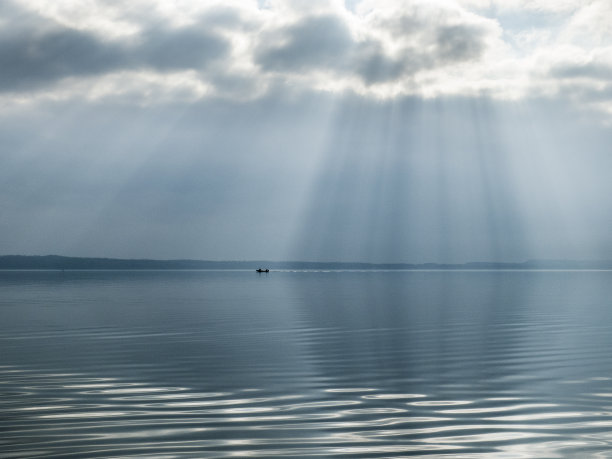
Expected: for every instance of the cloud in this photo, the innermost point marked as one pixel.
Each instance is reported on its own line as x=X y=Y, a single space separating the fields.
x=186 y=48
x=313 y=43
x=590 y=26
x=36 y=53
x=590 y=69
x=373 y=48
x=373 y=65
x=459 y=43
x=541 y=6
x=245 y=49
x=381 y=47
x=30 y=57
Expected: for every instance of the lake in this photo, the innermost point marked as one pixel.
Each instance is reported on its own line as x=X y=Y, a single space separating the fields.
x=161 y=364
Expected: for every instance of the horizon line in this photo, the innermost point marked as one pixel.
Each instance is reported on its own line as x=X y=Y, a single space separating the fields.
x=336 y=262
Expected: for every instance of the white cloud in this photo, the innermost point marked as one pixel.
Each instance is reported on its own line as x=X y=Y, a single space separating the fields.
x=590 y=25
x=543 y=6
x=101 y=18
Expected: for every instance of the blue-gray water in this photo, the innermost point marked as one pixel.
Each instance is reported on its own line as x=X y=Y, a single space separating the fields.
x=297 y=364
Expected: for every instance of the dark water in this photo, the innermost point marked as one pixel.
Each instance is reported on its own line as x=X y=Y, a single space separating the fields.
x=298 y=364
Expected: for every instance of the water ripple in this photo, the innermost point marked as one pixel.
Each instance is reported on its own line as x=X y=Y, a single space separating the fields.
x=361 y=366
x=116 y=417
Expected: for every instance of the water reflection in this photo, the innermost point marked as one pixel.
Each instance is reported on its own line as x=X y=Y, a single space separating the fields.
x=386 y=364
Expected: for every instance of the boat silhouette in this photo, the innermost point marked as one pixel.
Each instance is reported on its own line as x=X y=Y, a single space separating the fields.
x=259 y=270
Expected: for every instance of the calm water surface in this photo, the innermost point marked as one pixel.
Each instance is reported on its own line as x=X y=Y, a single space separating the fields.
x=296 y=364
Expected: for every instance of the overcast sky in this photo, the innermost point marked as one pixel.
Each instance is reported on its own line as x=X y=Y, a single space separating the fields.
x=382 y=131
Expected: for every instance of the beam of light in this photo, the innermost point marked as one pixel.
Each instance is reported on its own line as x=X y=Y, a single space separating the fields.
x=451 y=181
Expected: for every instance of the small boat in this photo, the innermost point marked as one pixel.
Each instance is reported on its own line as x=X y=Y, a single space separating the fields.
x=259 y=270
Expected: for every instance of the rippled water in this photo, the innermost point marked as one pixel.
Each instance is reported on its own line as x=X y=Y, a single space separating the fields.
x=297 y=364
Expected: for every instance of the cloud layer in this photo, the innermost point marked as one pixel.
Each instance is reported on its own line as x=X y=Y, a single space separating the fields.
x=244 y=49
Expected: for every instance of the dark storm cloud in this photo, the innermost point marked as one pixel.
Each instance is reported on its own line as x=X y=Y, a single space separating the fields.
x=30 y=58
x=436 y=43
x=326 y=43
x=459 y=43
x=319 y=42
x=589 y=82
x=430 y=46
x=374 y=66
x=36 y=53
x=184 y=48
x=592 y=70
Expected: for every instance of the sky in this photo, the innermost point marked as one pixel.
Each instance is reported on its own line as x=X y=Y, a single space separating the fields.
x=376 y=131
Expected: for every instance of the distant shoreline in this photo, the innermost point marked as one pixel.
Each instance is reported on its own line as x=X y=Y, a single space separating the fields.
x=58 y=262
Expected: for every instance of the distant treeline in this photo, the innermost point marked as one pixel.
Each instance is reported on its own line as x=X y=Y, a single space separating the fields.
x=60 y=262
